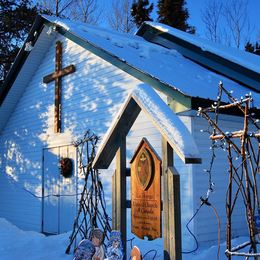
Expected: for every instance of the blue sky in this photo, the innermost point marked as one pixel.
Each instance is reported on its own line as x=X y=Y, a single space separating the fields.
x=195 y=7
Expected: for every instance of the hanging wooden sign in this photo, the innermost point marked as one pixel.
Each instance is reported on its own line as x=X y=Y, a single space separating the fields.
x=146 y=192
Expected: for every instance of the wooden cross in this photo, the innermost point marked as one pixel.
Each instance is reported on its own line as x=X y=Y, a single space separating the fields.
x=57 y=76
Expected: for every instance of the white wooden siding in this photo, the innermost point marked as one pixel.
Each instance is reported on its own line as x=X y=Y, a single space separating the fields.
x=90 y=98
x=30 y=66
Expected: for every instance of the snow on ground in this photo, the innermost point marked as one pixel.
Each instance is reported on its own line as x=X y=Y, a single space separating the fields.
x=18 y=244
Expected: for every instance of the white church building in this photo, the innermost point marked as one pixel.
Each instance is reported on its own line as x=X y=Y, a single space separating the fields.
x=69 y=77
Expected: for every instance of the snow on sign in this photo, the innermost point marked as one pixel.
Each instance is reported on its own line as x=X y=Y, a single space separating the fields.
x=146 y=192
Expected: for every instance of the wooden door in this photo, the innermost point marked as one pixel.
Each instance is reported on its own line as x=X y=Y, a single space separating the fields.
x=59 y=193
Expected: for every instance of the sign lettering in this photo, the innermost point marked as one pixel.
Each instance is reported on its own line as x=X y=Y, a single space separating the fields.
x=146 y=192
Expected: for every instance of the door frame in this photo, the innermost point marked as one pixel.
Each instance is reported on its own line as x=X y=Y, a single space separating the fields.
x=75 y=172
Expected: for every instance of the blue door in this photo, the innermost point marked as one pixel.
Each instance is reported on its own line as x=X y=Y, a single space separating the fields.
x=59 y=200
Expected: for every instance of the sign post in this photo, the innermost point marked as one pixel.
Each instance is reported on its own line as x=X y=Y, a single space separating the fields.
x=171 y=205
x=145 y=176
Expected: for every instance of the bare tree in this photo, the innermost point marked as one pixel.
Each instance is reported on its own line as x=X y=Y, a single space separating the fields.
x=227 y=22
x=57 y=7
x=236 y=13
x=211 y=17
x=86 y=11
x=120 y=18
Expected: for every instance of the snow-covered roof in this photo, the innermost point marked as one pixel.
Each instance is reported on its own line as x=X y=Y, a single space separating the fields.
x=240 y=66
x=167 y=66
x=163 y=118
x=164 y=69
x=235 y=55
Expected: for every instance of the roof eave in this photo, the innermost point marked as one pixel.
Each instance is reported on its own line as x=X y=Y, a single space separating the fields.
x=111 y=58
x=234 y=71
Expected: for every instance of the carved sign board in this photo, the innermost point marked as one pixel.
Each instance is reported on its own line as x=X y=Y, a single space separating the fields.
x=146 y=192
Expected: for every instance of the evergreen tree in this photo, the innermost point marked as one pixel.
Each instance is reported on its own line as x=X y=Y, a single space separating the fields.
x=141 y=10
x=249 y=47
x=255 y=49
x=16 y=19
x=175 y=14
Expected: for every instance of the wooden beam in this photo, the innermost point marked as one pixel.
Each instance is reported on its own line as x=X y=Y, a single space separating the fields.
x=111 y=145
x=174 y=213
x=167 y=159
x=114 y=201
x=57 y=98
x=171 y=205
x=120 y=176
x=58 y=74
x=227 y=106
x=236 y=134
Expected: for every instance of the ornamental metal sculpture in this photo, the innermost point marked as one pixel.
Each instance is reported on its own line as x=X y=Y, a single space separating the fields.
x=243 y=166
x=92 y=207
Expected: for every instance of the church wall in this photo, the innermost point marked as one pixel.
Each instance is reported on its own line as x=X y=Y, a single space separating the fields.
x=90 y=98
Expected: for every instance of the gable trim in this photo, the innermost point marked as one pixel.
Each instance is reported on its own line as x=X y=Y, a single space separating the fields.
x=144 y=98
